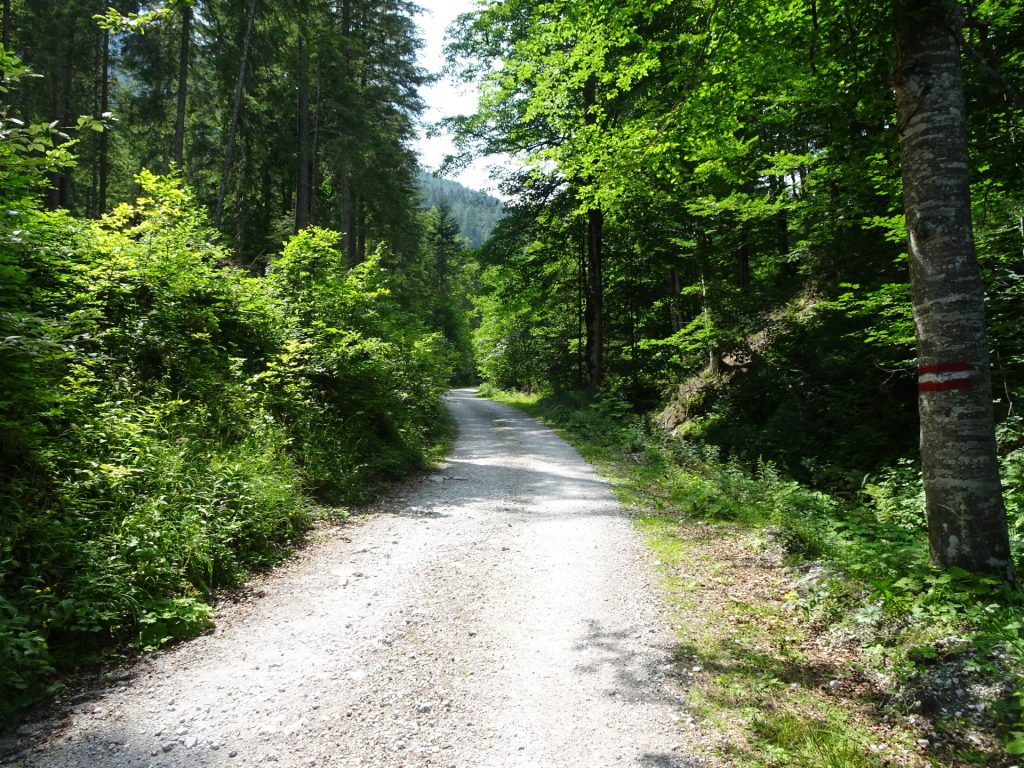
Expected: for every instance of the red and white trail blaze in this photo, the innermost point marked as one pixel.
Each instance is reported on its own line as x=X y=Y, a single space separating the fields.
x=944 y=376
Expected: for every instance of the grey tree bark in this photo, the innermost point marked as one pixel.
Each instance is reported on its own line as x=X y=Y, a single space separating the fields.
x=966 y=517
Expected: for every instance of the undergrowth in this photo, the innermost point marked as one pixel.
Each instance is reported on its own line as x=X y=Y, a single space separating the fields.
x=168 y=422
x=941 y=647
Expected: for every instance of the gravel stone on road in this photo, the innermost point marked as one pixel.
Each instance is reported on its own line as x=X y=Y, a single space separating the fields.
x=501 y=613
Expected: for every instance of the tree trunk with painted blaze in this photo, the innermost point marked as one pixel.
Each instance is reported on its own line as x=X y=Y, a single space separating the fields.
x=966 y=517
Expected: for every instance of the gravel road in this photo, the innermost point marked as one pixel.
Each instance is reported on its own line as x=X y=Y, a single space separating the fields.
x=500 y=613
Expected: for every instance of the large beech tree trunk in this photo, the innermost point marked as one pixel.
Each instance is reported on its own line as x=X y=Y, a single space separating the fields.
x=966 y=517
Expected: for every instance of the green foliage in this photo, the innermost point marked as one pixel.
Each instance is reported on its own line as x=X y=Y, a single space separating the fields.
x=743 y=163
x=360 y=78
x=453 y=282
x=476 y=213
x=24 y=658
x=861 y=562
x=358 y=380
x=165 y=415
x=132 y=22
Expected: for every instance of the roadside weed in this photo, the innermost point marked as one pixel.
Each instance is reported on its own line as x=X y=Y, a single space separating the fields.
x=822 y=634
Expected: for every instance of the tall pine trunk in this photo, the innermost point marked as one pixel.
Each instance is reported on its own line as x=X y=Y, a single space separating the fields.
x=236 y=112
x=7 y=25
x=5 y=39
x=743 y=261
x=594 y=354
x=303 y=191
x=59 y=195
x=314 y=149
x=594 y=289
x=347 y=196
x=183 y=60
x=104 y=158
x=966 y=517
x=675 y=288
x=360 y=230
x=347 y=205
x=303 y=183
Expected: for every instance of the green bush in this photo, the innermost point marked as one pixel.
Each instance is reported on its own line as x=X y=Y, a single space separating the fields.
x=168 y=415
x=864 y=559
x=358 y=379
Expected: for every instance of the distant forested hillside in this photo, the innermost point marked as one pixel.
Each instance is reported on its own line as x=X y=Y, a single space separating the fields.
x=476 y=212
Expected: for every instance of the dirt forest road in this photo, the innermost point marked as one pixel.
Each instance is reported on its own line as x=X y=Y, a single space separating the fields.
x=500 y=613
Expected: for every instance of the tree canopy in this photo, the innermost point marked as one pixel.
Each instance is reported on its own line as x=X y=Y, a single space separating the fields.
x=709 y=200
x=789 y=233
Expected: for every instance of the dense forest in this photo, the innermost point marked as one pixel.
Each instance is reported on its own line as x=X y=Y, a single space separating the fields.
x=476 y=213
x=780 y=244
x=708 y=205
x=769 y=231
x=279 y=115
x=223 y=312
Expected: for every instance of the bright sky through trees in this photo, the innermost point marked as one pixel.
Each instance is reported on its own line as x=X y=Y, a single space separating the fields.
x=445 y=98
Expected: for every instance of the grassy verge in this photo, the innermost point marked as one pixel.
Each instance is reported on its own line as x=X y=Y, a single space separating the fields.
x=811 y=630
